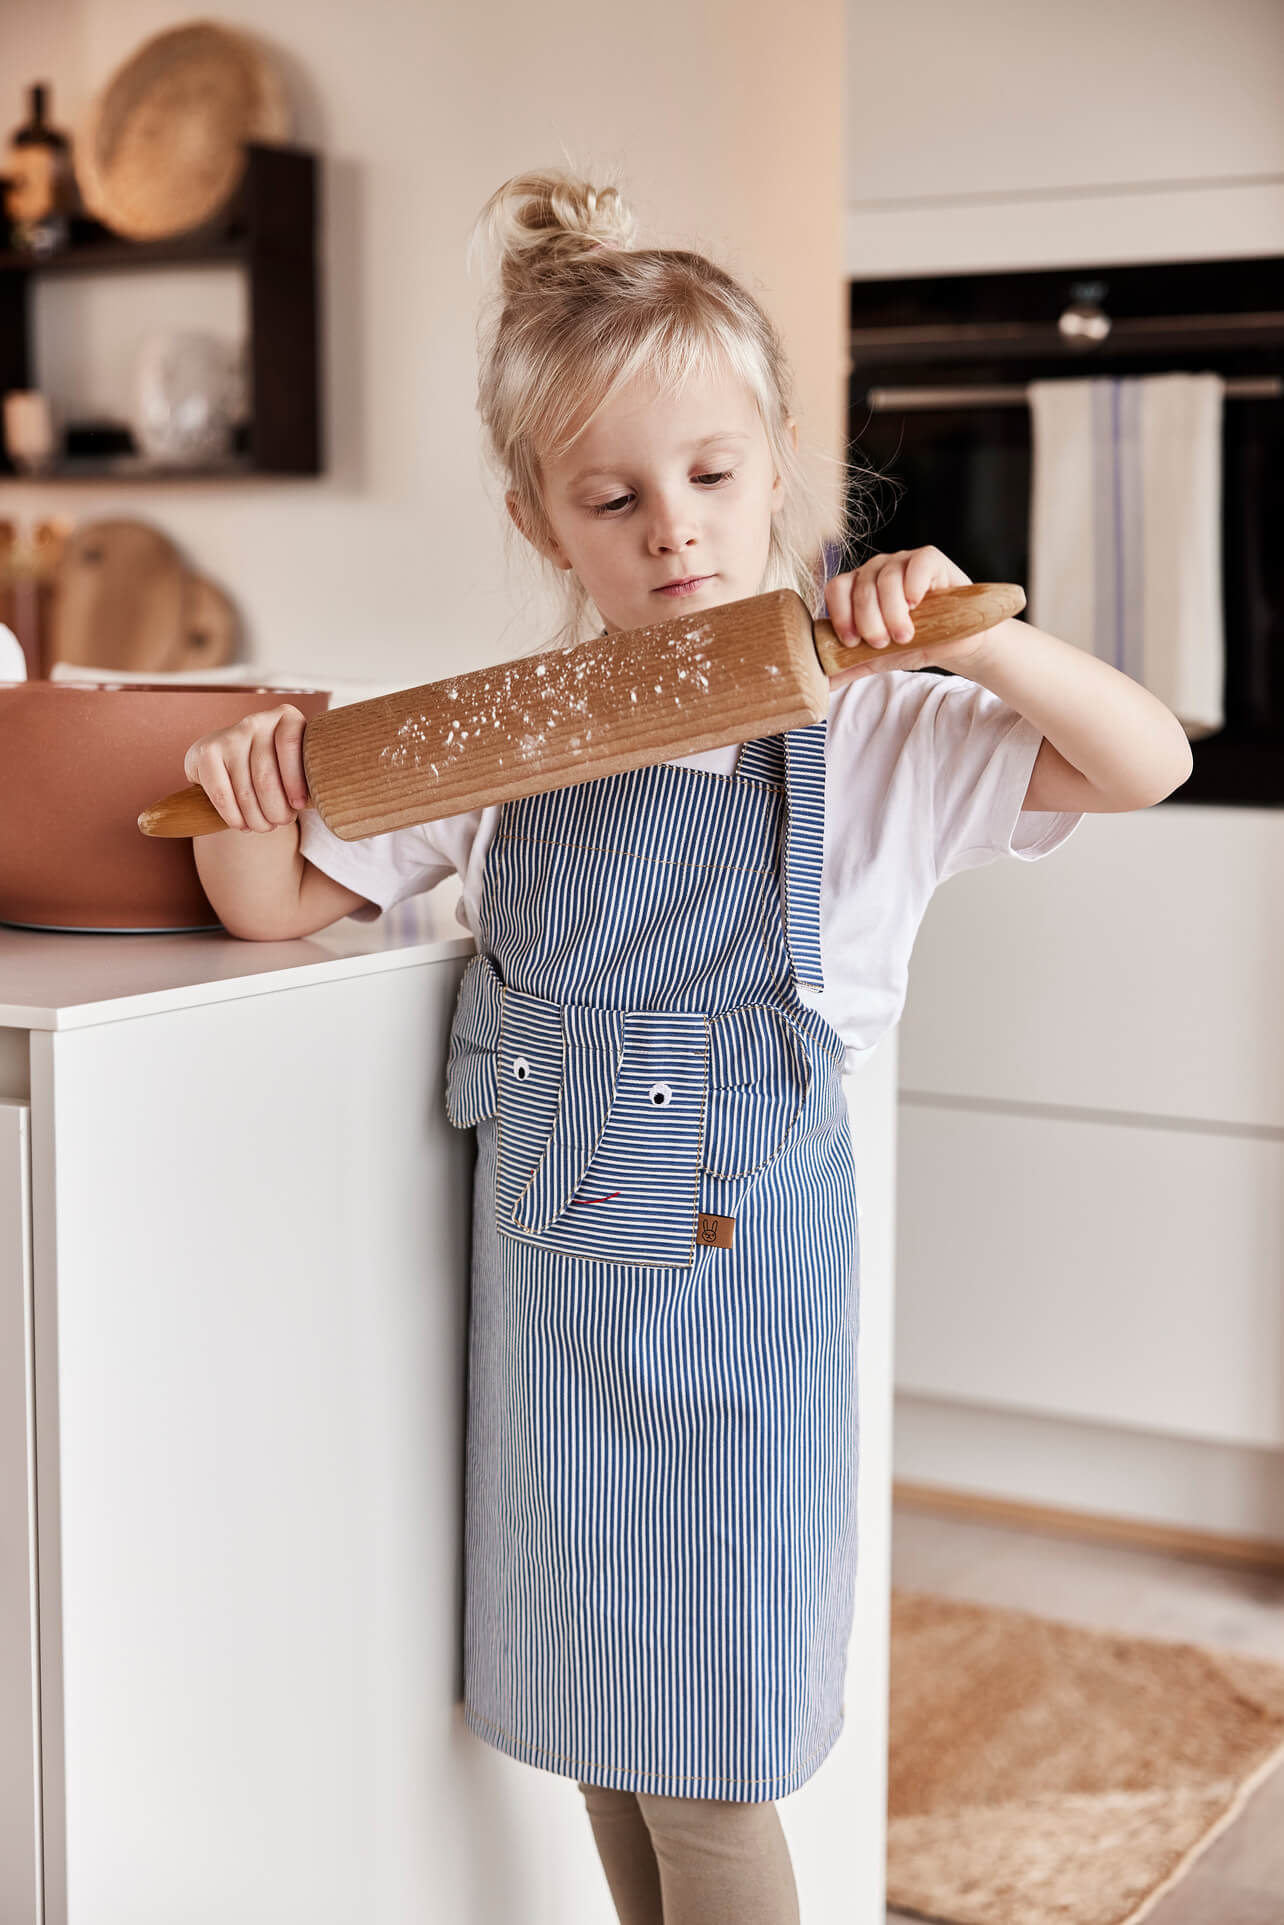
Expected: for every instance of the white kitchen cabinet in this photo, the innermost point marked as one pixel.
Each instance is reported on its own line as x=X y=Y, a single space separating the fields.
x=1135 y=972
x=1007 y=136
x=234 y=1230
x=1059 y=108
x=19 y=1699
x=1106 y=1272
x=1090 y=1286
x=250 y=1236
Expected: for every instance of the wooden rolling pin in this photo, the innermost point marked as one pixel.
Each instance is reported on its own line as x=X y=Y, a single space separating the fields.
x=626 y=701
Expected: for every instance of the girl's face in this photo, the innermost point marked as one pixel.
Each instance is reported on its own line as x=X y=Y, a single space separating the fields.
x=658 y=488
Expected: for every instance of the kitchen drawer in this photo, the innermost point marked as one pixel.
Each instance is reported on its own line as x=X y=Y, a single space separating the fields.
x=1103 y=1271
x=1137 y=969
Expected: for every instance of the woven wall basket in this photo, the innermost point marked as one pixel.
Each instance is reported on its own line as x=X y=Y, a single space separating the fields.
x=163 y=145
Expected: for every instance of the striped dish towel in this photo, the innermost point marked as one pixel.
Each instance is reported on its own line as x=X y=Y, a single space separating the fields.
x=1126 y=531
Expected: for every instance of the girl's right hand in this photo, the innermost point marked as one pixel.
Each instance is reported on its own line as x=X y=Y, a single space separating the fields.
x=253 y=771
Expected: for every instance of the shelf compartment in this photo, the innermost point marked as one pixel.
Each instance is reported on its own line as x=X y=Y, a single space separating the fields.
x=269 y=226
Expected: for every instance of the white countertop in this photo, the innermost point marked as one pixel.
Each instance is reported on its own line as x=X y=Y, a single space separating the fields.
x=62 y=979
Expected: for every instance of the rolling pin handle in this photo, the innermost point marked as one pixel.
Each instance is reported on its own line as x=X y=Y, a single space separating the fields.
x=188 y=812
x=943 y=615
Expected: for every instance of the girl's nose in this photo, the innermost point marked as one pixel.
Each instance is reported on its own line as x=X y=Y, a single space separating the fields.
x=672 y=526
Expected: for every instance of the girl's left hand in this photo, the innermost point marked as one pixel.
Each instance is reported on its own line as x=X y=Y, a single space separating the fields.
x=874 y=602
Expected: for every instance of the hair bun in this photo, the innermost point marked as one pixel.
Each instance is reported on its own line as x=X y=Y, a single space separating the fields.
x=538 y=222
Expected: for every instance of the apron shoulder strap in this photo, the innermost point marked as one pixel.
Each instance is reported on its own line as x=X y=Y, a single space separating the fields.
x=804 y=848
x=795 y=761
x=761 y=761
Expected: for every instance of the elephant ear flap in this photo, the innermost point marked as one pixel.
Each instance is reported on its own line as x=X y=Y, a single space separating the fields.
x=759 y=1075
x=472 y=1069
x=592 y=1040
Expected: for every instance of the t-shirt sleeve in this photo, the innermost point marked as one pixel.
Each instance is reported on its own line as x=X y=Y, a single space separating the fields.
x=383 y=868
x=983 y=753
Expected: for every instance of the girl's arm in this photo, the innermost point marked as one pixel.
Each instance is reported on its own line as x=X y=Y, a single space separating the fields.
x=264 y=890
x=255 y=874
x=1109 y=743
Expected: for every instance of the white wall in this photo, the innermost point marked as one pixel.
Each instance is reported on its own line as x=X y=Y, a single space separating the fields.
x=723 y=121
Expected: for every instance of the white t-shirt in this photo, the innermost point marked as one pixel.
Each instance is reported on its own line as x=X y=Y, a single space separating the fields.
x=924 y=776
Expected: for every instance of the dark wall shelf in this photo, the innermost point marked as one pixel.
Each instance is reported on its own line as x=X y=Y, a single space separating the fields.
x=269 y=227
x=93 y=247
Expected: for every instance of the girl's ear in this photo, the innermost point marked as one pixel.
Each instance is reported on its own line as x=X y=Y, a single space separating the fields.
x=510 y=502
x=553 y=552
x=778 y=486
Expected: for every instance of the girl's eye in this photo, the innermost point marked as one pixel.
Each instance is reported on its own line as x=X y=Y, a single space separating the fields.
x=608 y=507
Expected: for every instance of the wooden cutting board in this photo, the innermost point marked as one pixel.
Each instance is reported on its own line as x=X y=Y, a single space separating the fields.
x=124 y=598
x=730 y=674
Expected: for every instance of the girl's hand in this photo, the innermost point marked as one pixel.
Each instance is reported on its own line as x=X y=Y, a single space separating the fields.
x=874 y=602
x=253 y=771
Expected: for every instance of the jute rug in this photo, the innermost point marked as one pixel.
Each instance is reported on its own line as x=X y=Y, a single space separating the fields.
x=1040 y=1774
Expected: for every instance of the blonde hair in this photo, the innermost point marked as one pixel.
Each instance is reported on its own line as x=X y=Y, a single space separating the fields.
x=577 y=313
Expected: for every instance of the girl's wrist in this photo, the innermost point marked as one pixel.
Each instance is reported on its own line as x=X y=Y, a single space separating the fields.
x=980 y=654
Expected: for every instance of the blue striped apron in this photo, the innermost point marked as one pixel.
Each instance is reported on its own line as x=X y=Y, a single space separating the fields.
x=661 y=1462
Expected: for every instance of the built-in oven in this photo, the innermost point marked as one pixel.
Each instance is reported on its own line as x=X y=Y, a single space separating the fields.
x=938 y=408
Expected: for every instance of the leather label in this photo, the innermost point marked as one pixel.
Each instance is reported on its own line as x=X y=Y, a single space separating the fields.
x=715 y=1230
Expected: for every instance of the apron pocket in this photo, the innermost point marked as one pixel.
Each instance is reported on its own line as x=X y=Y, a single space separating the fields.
x=474 y=1043
x=601 y=1116
x=759 y=1076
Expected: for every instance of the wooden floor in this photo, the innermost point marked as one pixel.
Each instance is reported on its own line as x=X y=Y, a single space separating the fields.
x=1239 y=1879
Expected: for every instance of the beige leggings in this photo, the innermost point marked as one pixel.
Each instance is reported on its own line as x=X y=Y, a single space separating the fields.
x=692 y=1861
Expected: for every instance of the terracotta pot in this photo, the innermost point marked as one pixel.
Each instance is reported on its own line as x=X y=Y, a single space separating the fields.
x=78 y=761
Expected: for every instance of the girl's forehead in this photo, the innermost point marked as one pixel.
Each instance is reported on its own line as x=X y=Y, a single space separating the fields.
x=643 y=414
x=699 y=390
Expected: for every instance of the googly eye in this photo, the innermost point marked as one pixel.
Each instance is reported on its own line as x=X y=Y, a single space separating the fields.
x=660 y=1094
x=521 y=1068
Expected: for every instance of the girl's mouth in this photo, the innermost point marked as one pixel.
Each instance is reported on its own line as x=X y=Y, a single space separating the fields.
x=684 y=588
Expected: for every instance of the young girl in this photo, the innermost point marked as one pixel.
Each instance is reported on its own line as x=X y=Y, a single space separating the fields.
x=673 y=966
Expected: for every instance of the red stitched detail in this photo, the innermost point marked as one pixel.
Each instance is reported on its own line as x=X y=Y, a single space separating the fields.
x=595 y=1199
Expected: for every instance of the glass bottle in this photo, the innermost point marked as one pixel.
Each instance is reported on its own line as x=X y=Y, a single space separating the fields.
x=40 y=190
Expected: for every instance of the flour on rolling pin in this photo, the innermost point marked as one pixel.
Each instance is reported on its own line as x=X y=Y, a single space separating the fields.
x=562 y=716
x=563 y=681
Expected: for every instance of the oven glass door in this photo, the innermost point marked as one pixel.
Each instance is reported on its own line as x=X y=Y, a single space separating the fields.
x=958 y=478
